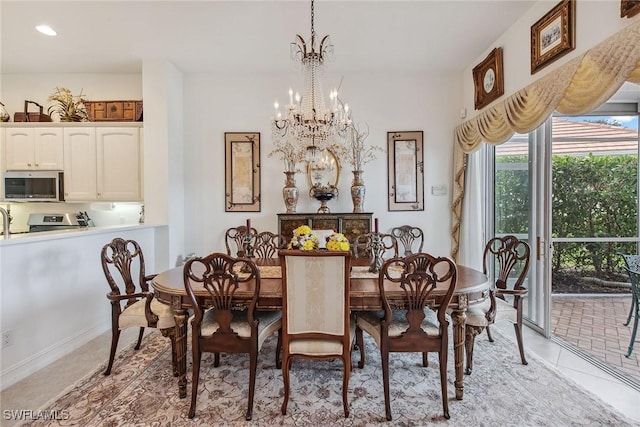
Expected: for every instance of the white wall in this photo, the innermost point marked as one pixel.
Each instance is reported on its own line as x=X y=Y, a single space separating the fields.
x=401 y=101
x=53 y=296
x=595 y=21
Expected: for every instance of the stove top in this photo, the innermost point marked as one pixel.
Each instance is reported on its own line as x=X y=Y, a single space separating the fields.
x=57 y=221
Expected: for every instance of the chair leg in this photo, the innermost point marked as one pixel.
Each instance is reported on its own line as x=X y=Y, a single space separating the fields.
x=631 y=310
x=489 y=334
x=279 y=350
x=174 y=354
x=115 y=336
x=633 y=334
x=518 y=327
x=216 y=360
x=286 y=365
x=195 y=377
x=137 y=347
x=360 y=344
x=443 y=380
x=425 y=359
x=469 y=342
x=253 y=362
x=345 y=382
x=384 y=355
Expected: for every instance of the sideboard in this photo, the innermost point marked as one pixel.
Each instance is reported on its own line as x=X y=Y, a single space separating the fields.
x=349 y=224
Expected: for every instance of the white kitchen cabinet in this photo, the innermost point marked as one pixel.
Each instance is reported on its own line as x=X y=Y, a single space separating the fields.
x=80 y=160
x=102 y=163
x=118 y=163
x=34 y=148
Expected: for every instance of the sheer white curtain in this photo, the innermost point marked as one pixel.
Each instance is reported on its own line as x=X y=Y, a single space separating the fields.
x=474 y=208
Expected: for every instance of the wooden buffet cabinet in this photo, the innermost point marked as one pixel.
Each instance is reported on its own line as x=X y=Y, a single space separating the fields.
x=349 y=224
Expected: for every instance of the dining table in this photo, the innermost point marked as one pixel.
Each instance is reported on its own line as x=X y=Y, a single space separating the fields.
x=472 y=288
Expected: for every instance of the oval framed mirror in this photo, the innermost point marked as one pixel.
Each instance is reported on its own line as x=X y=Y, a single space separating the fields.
x=324 y=172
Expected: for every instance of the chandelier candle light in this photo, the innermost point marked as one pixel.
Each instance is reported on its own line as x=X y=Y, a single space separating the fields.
x=307 y=124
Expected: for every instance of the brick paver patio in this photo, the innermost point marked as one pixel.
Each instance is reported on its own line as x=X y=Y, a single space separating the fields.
x=595 y=325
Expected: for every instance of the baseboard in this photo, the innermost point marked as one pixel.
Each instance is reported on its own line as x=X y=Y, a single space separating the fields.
x=39 y=360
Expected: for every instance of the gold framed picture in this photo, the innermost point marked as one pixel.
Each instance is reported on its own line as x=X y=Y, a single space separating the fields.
x=488 y=80
x=629 y=8
x=242 y=171
x=406 y=171
x=553 y=35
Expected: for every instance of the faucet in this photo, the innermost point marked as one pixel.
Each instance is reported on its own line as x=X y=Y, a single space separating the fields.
x=5 y=221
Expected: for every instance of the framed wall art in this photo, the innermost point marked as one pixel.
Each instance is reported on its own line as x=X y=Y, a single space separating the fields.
x=488 y=80
x=405 y=171
x=629 y=8
x=242 y=171
x=553 y=35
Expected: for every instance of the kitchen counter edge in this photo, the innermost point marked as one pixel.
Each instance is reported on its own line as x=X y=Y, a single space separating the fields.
x=70 y=233
x=70 y=124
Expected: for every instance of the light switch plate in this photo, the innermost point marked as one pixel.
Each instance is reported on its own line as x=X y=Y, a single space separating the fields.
x=439 y=190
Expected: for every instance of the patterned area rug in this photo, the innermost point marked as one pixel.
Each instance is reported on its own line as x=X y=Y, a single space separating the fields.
x=142 y=391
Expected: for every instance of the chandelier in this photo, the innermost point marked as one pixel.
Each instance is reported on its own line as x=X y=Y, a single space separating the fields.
x=307 y=122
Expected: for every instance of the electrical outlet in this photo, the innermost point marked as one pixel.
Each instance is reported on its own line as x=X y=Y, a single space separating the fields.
x=7 y=338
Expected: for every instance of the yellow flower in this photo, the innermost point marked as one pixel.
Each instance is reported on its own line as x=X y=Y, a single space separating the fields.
x=308 y=245
x=302 y=230
x=338 y=242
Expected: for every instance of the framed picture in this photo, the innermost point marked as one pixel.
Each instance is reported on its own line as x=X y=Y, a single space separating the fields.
x=553 y=35
x=406 y=171
x=242 y=171
x=488 y=80
x=629 y=8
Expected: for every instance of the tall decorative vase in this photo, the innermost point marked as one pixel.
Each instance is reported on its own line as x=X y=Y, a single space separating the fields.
x=357 y=191
x=290 y=192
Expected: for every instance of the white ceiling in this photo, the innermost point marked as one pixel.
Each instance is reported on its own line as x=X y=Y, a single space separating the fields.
x=115 y=36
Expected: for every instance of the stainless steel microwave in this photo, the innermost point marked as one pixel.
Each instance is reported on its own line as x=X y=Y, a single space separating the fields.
x=33 y=186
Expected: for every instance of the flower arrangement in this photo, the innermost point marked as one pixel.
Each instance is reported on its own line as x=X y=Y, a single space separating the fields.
x=304 y=239
x=337 y=242
x=68 y=107
x=290 y=153
x=355 y=151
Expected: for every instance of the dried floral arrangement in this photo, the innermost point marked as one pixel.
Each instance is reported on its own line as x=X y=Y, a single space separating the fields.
x=68 y=107
x=355 y=151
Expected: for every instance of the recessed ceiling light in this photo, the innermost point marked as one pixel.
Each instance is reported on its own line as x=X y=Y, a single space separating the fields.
x=45 y=29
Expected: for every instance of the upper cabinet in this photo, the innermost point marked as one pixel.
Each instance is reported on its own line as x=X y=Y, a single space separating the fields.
x=34 y=148
x=102 y=163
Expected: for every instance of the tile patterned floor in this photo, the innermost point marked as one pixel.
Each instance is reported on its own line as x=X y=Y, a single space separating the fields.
x=595 y=324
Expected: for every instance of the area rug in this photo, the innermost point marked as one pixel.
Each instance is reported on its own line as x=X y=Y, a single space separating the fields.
x=141 y=391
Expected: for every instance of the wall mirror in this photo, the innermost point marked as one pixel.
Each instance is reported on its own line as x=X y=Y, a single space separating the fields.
x=406 y=171
x=325 y=171
x=323 y=175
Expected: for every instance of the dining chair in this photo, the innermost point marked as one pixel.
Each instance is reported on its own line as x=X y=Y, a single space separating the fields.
x=634 y=278
x=409 y=237
x=510 y=258
x=267 y=244
x=235 y=240
x=632 y=262
x=411 y=324
x=368 y=244
x=216 y=327
x=316 y=322
x=124 y=268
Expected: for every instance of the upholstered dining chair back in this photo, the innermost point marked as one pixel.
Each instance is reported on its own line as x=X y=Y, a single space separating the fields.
x=132 y=304
x=410 y=238
x=365 y=245
x=235 y=240
x=267 y=244
x=410 y=323
x=218 y=324
x=316 y=320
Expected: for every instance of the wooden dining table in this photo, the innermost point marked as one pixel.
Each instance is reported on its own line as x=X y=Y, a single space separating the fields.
x=472 y=288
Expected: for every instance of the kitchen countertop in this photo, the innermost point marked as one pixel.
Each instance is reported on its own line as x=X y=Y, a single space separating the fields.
x=23 y=238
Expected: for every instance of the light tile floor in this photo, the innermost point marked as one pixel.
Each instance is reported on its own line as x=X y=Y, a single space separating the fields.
x=38 y=389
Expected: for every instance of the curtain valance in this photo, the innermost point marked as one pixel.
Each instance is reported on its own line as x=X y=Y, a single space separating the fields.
x=578 y=87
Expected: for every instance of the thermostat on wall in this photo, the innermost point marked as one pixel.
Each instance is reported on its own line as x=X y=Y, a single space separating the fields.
x=439 y=190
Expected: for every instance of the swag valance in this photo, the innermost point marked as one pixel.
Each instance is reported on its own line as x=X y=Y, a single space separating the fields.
x=577 y=87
